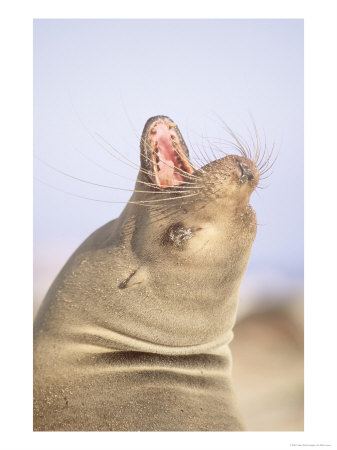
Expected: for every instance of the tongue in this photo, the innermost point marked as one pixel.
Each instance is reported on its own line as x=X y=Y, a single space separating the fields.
x=167 y=175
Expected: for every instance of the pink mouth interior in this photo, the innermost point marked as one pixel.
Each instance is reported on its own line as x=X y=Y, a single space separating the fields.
x=169 y=160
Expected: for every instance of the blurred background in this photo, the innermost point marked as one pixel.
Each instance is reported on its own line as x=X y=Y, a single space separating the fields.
x=96 y=82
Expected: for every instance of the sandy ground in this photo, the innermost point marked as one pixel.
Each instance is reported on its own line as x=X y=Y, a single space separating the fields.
x=268 y=368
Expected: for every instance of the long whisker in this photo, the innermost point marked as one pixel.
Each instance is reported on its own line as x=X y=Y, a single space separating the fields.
x=178 y=169
x=203 y=139
x=101 y=185
x=75 y=195
x=101 y=166
x=145 y=144
x=198 y=154
x=139 y=202
x=147 y=172
x=92 y=135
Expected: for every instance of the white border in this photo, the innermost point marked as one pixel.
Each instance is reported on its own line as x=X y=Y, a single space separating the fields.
x=320 y=221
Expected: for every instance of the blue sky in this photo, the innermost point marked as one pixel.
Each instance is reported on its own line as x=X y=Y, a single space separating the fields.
x=97 y=79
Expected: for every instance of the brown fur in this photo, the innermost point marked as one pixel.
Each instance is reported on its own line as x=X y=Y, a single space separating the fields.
x=134 y=332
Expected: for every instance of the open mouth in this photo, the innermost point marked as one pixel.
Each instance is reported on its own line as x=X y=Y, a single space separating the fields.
x=169 y=158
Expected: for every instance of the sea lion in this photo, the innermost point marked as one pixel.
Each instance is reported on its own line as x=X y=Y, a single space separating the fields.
x=134 y=333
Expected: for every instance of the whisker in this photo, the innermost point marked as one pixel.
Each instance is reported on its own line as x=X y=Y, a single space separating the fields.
x=75 y=195
x=98 y=184
x=127 y=161
x=145 y=171
x=139 y=202
x=168 y=199
x=147 y=146
x=199 y=156
x=101 y=166
x=210 y=147
x=183 y=172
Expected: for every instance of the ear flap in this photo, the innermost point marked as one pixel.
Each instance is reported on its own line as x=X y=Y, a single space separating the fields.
x=137 y=277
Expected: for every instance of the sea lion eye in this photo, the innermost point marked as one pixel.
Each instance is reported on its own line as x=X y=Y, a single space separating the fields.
x=176 y=235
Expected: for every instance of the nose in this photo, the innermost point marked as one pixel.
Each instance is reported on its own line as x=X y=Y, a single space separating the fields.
x=247 y=174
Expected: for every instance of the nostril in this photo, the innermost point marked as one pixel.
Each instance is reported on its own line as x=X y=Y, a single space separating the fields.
x=243 y=166
x=250 y=175
x=247 y=174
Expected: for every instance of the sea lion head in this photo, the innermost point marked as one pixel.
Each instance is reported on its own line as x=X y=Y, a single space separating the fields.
x=193 y=229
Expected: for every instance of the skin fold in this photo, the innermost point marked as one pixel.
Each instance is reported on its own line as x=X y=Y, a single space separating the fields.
x=134 y=333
